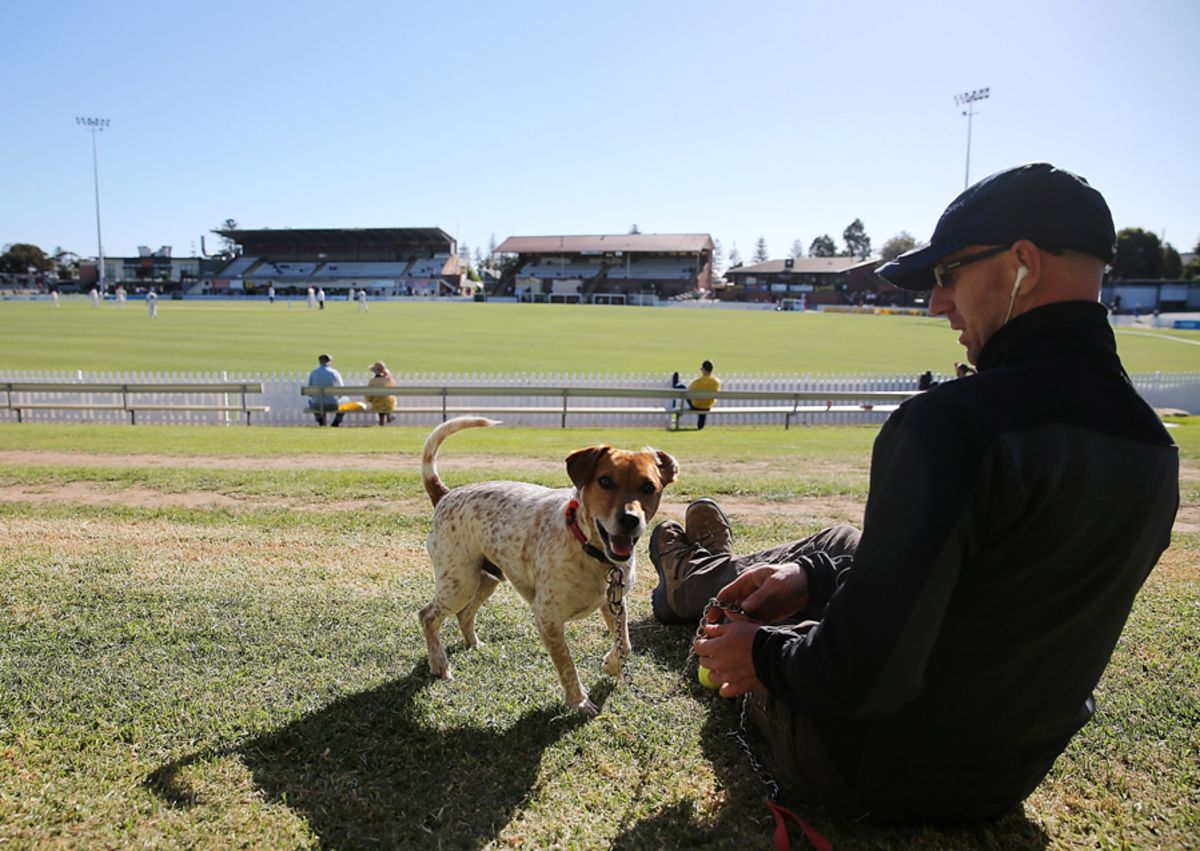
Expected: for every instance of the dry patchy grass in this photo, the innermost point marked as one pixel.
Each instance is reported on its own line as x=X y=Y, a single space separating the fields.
x=201 y=673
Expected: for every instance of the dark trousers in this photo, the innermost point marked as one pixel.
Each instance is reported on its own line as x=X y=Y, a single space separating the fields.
x=320 y=417
x=707 y=573
x=701 y=418
x=803 y=767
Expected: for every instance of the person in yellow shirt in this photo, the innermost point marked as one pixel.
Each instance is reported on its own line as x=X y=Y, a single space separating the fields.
x=382 y=405
x=706 y=381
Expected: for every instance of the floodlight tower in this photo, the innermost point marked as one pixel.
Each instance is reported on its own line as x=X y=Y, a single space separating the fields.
x=96 y=125
x=969 y=98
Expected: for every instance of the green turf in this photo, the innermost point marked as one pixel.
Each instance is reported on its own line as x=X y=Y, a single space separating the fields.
x=252 y=675
x=256 y=337
x=325 y=447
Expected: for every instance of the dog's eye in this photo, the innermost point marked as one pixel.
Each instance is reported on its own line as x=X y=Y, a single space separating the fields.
x=605 y=482
x=648 y=487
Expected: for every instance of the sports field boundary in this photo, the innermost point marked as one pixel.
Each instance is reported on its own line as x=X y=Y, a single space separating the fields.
x=281 y=393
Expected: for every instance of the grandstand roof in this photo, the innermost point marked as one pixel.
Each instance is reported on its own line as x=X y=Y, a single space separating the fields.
x=648 y=243
x=357 y=236
x=805 y=266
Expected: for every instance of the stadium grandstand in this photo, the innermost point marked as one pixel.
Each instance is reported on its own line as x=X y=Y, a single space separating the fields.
x=616 y=268
x=814 y=281
x=383 y=261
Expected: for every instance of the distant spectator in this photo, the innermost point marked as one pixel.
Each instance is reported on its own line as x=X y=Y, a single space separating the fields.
x=926 y=380
x=325 y=376
x=382 y=405
x=676 y=384
x=706 y=381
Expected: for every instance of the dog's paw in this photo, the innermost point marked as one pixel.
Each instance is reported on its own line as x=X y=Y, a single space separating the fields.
x=614 y=664
x=586 y=707
x=439 y=666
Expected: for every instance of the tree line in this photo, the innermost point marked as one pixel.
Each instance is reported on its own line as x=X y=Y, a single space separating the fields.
x=1140 y=253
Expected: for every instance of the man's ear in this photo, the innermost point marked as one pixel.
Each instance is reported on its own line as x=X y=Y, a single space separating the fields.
x=582 y=462
x=1030 y=257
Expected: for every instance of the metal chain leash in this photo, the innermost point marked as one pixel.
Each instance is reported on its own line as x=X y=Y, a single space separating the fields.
x=741 y=733
x=615 y=596
x=615 y=601
x=615 y=592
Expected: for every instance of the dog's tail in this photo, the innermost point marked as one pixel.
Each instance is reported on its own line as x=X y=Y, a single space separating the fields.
x=434 y=486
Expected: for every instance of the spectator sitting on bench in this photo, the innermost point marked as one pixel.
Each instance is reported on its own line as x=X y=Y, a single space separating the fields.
x=382 y=405
x=325 y=376
x=706 y=381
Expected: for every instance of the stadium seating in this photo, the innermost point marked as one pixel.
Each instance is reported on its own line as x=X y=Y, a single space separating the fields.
x=268 y=270
x=662 y=270
x=428 y=268
x=658 y=269
x=356 y=269
x=546 y=269
x=238 y=267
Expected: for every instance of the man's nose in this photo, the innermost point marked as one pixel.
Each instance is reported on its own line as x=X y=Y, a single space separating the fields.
x=940 y=302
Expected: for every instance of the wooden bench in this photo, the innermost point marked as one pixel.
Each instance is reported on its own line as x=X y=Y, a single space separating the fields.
x=799 y=403
x=448 y=409
x=124 y=397
x=794 y=402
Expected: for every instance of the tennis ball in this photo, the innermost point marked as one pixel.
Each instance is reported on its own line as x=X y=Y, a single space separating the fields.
x=705 y=679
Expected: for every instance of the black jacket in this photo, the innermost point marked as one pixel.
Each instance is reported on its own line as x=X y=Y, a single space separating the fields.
x=1012 y=517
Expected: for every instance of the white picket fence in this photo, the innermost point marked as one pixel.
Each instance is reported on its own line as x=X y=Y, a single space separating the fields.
x=288 y=407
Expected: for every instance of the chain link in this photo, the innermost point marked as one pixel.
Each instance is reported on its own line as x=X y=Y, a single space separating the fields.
x=615 y=596
x=741 y=733
x=615 y=600
x=615 y=592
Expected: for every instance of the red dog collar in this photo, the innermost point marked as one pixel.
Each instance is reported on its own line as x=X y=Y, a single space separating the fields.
x=569 y=516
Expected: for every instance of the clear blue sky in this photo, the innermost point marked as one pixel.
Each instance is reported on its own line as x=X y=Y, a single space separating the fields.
x=782 y=119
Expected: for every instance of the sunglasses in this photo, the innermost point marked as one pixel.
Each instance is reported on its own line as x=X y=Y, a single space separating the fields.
x=942 y=271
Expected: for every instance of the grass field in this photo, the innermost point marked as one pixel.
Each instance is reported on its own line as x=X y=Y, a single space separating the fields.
x=495 y=337
x=208 y=640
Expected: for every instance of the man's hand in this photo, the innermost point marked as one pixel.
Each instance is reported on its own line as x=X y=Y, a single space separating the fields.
x=766 y=592
x=726 y=650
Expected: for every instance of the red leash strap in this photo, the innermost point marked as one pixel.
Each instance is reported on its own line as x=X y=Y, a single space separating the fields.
x=818 y=841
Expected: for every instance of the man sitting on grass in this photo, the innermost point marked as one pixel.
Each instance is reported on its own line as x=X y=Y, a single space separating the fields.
x=933 y=666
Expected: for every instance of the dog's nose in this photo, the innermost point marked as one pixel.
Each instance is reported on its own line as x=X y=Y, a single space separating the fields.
x=628 y=521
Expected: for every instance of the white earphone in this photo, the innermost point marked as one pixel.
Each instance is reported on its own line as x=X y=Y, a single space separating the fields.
x=1012 y=299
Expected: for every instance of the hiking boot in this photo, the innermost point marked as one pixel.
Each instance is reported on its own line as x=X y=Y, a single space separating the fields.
x=669 y=553
x=706 y=525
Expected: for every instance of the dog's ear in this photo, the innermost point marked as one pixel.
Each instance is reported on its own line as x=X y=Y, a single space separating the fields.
x=668 y=467
x=582 y=462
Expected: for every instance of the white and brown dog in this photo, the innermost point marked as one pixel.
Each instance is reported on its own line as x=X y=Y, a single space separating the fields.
x=556 y=546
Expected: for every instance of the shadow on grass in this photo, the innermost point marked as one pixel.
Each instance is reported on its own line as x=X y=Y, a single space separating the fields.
x=743 y=817
x=371 y=770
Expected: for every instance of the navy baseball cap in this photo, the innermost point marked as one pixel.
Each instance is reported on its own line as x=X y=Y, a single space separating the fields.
x=1049 y=206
